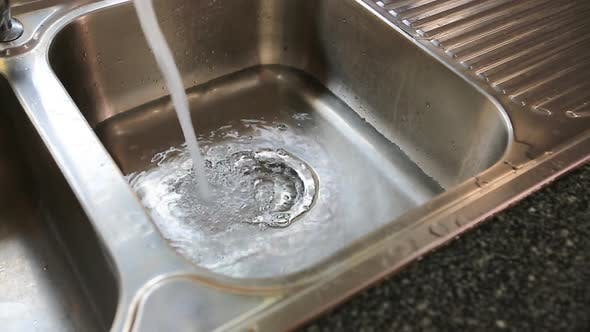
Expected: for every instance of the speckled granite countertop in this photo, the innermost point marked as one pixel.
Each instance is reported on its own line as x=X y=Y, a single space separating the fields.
x=527 y=269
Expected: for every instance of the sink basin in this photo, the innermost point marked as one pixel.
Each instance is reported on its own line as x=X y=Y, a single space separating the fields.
x=384 y=126
x=54 y=275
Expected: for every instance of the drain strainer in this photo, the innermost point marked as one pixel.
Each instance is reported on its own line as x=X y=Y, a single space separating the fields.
x=284 y=186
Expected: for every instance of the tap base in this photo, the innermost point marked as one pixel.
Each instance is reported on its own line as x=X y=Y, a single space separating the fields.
x=14 y=32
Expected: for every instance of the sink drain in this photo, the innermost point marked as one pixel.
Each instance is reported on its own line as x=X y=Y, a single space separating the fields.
x=266 y=186
x=284 y=186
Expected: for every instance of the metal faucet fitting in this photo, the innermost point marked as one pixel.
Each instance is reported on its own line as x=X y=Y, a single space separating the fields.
x=10 y=28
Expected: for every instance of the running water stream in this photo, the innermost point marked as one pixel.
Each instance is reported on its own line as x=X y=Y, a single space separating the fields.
x=155 y=38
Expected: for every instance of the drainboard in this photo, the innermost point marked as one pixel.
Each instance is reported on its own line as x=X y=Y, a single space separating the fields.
x=338 y=148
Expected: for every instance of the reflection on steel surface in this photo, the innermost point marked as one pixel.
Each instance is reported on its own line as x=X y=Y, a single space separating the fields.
x=537 y=52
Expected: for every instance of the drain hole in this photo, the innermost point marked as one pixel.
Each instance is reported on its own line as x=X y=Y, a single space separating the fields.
x=284 y=186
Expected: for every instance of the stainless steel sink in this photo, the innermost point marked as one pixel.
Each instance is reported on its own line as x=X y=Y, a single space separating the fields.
x=408 y=151
x=392 y=139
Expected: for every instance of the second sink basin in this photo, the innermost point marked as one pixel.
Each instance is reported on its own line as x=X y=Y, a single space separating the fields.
x=54 y=274
x=383 y=126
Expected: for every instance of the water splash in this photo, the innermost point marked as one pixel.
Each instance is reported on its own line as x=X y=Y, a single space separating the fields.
x=357 y=192
x=249 y=188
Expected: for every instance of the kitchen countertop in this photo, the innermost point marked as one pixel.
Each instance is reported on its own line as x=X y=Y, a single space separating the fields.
x=526 y=269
